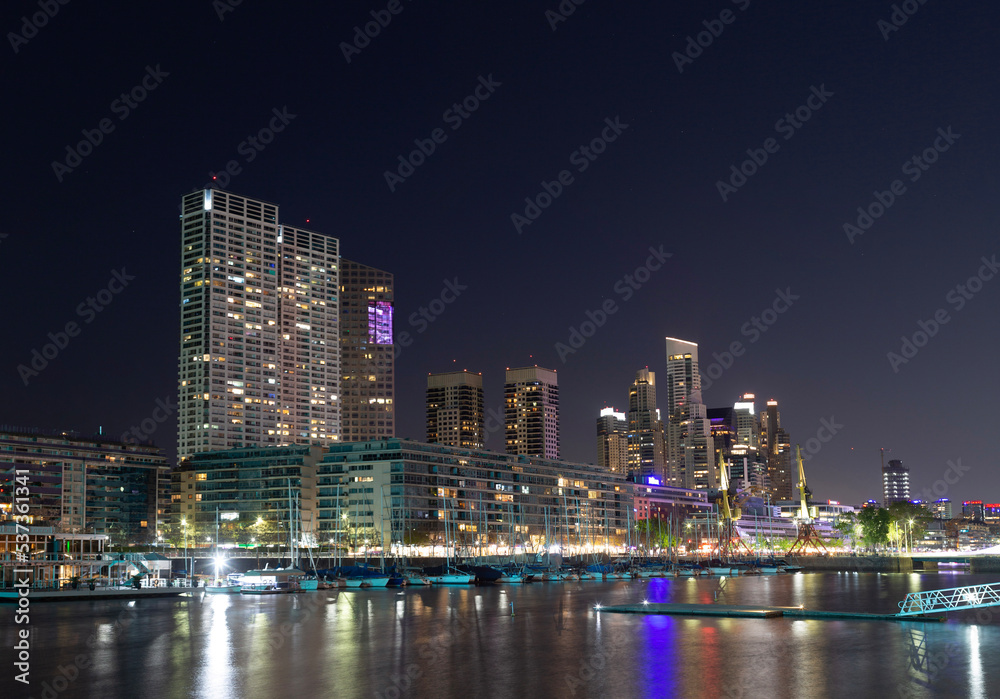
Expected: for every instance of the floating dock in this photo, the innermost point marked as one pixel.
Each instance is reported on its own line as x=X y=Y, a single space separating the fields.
x=99 y=593
x=751 y=612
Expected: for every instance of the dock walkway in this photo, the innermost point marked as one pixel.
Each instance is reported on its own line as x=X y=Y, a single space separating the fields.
x=751 y=612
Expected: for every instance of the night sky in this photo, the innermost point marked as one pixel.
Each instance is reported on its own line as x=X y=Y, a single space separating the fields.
x=874 y=98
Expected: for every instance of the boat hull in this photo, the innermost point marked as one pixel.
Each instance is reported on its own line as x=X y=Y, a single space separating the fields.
x=223 y=589
x=452 y=579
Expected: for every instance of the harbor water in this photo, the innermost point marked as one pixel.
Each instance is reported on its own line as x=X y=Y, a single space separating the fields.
x=535 y=640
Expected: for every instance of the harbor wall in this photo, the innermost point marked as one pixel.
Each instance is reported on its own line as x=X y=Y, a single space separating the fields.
x=856 y=564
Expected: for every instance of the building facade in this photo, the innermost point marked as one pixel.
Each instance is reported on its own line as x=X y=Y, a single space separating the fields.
x=455 y=409
x=84 y=485
x=531 y=411
x=895 y=483
x=367 y=304
x=309 y=357
x=408 y=490
x=645 y=429
x=781 y=473
x=691 y=458
x=612 y=441
x=229 y=354
x=253 y=490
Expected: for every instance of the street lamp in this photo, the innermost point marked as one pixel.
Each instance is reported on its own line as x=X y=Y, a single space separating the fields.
x=184 y=527
x=911 y=536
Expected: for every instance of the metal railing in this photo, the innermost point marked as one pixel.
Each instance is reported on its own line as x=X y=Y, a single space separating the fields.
x=954 y=598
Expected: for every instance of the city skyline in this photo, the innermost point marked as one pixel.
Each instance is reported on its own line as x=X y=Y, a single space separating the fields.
x=566 y=194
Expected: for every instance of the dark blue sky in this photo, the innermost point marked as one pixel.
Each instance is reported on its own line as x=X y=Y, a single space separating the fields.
x=216 y=82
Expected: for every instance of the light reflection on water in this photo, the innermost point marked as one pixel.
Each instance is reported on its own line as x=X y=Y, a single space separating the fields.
x=462 y=642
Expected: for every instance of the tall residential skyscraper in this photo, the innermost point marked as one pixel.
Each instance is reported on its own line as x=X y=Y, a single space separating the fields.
x=645 y=429
x=367 y=394
x=690 y=448
x=612 y=441
x=228 y=366
x=531 y=411
x=455 y=409
x=895 y=482
x=259 y=327
x=781 y=472
x=309 y=407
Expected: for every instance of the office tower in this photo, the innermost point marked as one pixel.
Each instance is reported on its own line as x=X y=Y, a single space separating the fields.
x=690 y=448
x=612 y=441
x=645 y=429
x=259 y=328
x=940 y=508
x=895 y=483
x=367 y=395
x=747 y=452
x=531 y=412
x=972 y=509
x=229 y=354
x=781 y=471
x=309 y=408
x=747 y=427
x=455 y=409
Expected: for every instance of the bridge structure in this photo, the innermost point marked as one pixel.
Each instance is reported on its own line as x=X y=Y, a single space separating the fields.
x=950 y=599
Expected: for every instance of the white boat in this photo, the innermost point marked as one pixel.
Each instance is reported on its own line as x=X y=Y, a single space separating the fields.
x=262 y=589
x=452 y=579
x=356 y=581
x=222 y=588
x=720 y=570
x=417 y=580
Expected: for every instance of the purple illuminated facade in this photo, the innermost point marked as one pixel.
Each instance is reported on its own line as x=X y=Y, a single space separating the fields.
x=380 y=323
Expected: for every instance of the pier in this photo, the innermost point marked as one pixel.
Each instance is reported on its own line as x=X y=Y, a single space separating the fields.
x=752 y=612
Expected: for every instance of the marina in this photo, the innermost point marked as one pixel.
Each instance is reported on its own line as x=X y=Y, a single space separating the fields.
x=530 y=640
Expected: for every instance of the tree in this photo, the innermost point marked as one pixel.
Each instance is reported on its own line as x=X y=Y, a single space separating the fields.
x=848 y=528
x=874 y=523
x=911 y=520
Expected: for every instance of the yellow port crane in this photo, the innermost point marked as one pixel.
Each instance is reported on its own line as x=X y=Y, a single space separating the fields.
x=730 y=540
x=807 y=532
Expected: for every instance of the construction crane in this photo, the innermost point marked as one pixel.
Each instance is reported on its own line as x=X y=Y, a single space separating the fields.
x=807 y=532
